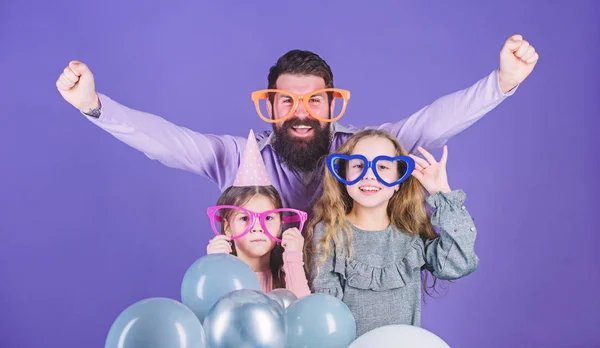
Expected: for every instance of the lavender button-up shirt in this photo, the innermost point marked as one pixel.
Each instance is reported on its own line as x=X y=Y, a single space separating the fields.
x=217 y=157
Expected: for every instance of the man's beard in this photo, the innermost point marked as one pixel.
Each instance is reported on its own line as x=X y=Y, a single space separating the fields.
x=301 y=154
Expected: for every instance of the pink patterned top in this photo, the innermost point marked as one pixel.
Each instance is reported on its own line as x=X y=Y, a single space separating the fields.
x=295 y=278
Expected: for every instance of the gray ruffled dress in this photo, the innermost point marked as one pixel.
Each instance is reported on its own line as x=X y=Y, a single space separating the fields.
x=381 y=282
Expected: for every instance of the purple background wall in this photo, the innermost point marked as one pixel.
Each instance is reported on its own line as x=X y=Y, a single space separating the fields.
x=90 y=226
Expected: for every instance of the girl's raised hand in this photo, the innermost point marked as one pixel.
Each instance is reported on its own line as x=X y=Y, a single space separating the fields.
x=431 y=173
x=219 y=245
x=292 y=240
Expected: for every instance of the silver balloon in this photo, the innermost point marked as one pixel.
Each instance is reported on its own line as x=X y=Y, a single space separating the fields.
x=278 y=300
x=286 y=296
x=245 y=318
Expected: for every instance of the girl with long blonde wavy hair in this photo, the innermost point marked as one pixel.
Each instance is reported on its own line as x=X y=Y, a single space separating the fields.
x=371 y=233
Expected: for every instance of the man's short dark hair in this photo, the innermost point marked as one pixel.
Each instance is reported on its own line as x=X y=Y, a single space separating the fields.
x=299 y=62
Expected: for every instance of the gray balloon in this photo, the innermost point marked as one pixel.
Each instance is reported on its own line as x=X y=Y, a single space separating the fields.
x=286 y=296
x=243 y=319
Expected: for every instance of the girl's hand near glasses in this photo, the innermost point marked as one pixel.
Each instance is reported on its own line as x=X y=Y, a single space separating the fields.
x=219 y=245
x=431 y=173
x=292 y=240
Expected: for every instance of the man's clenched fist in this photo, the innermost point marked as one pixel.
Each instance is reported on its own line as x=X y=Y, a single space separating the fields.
x=76 y=85
x=517 y=60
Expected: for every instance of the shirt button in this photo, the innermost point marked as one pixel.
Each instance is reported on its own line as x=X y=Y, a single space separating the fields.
x=463 y=207
x=473 y=229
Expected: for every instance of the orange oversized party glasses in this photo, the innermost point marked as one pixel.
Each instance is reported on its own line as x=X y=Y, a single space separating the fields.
x=326 y=105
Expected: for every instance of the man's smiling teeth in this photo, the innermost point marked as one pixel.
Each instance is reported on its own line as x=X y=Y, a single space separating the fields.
x=301 y=127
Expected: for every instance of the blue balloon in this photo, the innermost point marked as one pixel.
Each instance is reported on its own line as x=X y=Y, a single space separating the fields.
x=156 y=323
x=212 y=277
x=245 y=319
x=319 y=320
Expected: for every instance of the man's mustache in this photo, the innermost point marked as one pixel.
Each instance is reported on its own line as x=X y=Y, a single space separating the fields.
x=287 y=124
